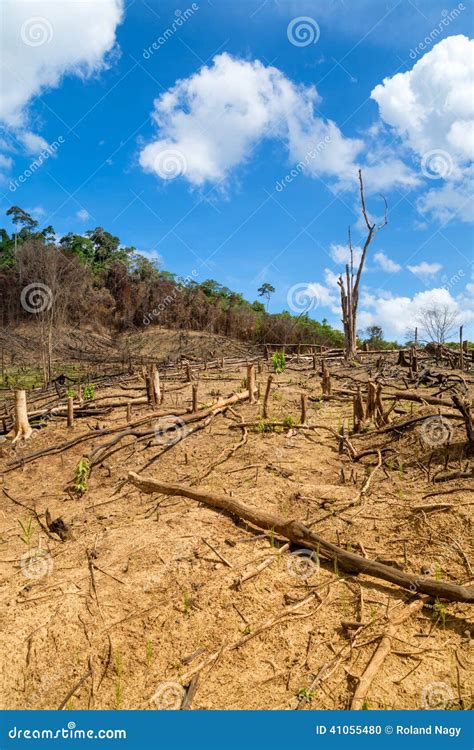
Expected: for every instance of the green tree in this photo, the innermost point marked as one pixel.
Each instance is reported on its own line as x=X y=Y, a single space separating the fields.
x=266 y=290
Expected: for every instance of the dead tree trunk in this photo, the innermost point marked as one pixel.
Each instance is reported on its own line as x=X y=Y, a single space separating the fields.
x=350 y=286
x=22 y=426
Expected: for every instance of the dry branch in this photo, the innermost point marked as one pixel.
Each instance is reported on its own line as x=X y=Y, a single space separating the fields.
x=296 y=532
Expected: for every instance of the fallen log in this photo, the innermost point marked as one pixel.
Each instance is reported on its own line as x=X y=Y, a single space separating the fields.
x=299 y=534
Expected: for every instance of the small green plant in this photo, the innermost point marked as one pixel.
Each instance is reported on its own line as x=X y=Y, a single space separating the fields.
x=365 y=705
x=71 y=393
x=186 y=603
x=288 y=421
x=264 y=426
x=279 y=362
x=439 y=609
x=28 y=528
x=81 y=475
x=307 y=694
x=89 y=391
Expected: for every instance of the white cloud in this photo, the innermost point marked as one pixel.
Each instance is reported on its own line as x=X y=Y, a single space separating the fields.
x=331 y=278
x=325 y=297
x=6 y=162
x=83 y=215
x=424 y=269
x=341 y=254
x=386 y=264
x=210 y=123
x=452 y=200
x=397 y=315
x=33 y=144
x=431 y=108
x=431 y=105
x=42 y=40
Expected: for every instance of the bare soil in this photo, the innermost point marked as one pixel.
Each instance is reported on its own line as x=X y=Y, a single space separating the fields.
x=145 y=589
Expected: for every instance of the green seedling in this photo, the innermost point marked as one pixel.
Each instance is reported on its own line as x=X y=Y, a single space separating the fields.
x=28 y=528
x=89 y=391
x=306 y=694
x=288 y=421
x=81 y=475
x=279 y=362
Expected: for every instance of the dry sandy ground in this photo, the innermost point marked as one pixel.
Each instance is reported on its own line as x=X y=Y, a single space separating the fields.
x=153 y=600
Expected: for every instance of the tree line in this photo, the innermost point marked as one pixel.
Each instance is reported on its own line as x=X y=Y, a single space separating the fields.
x=93 y=276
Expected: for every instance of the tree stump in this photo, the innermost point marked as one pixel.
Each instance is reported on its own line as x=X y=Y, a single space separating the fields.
x=22 y=426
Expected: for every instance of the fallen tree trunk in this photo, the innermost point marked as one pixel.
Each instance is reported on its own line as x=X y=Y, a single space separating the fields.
x=296 y=532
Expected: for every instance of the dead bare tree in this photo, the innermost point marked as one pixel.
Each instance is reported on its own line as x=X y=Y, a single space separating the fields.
x=350 y=286
x=438 y=322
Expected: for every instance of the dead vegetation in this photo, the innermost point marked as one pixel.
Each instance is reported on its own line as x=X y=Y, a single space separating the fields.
x=210 y=533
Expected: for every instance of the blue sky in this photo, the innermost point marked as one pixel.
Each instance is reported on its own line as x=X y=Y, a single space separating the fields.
x=199 y=173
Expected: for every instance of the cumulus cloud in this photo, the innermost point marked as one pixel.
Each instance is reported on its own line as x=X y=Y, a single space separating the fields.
x=341 y=253
x=397 y=315
x=386 y=263
x=431 y=108
x=212 y=122
x=42 y=40
x=425 y=270
x=431 y=105
x=83 y=215
x=324 y=296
